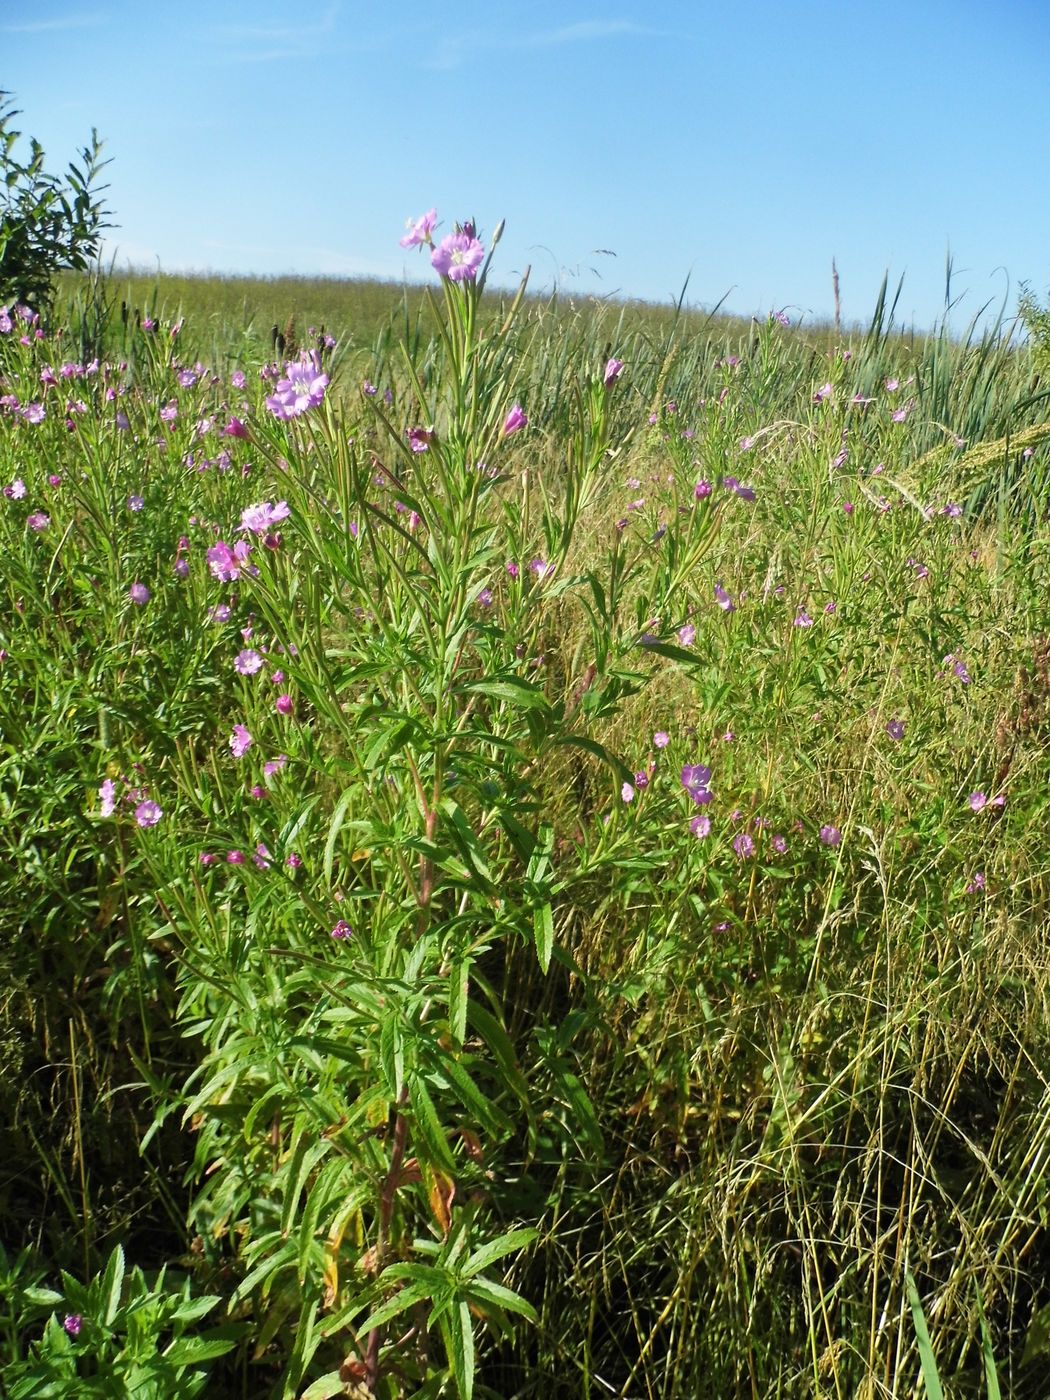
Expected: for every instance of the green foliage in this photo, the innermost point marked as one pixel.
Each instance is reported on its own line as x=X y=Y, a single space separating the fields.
x=1036 y=320
x=118 y=1335
x=462 y=1055
x=48 y=223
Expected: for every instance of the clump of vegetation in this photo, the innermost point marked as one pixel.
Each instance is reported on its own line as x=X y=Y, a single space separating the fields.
x=48 y=223
x=524 y=836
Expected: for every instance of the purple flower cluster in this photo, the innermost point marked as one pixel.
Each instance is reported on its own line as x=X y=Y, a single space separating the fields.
x=302 y=388
x=696 y=779
x=459 y=254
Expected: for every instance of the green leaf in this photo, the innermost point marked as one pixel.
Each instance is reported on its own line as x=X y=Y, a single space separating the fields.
x=513 y=690
x=429 y=1129
x=543 y=934
x=41 y=1297
x=483 y=1291
x=497 y=1249
x=392 y=1053
x=484 y=1110
x=324 y=1387
x=294 y=1174
x=927 y=1360
x=407 y=1297
x=991 y=1375
x=193 y=1309
x=338 y=818
x=673 y=653
x=191 y=1351
x=499 y=1043
x=111 y=1284
x=458 y=997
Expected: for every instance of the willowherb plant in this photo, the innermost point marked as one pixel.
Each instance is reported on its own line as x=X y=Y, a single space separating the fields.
x=117 y=1334
x=360 y=1105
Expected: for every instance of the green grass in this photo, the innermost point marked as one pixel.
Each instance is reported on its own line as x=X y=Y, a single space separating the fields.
x=595 y=1099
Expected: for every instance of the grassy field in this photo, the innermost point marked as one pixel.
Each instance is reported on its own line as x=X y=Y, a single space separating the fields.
x=524 y=850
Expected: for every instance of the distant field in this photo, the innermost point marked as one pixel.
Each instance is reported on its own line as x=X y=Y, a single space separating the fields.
x=246 y=308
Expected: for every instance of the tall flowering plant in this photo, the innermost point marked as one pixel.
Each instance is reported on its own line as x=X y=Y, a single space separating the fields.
x=353 y=1039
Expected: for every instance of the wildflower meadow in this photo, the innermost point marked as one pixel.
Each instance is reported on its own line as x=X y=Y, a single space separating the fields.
x=524 y=850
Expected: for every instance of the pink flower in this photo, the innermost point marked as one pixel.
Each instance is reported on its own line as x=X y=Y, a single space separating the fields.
x=72 y=1324
x=262 y=518
x=700 y=826
x=977 y=801
x=830 y=835
x=261 y=857
x=824 y=392
x=613 y=370
x=686 y=635
x=284 y=704
x=420 y=230
x=226 y=563
x=248 y=662
x=38 y=521
x=661 y=739
x=274 y=765
x=627 y=793
x=107 y=797
x=139 y=594
x=148 y=813
x=293 y=861
x=235 y=428
x=723 y=599
x=514 y=421
x=240 y=741
x=342 y=931
x=16 y=490
x=234 y=857
x=457 y=257
x=302 y=388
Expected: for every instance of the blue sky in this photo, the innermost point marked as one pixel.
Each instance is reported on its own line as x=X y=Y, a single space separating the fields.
x=742 y=145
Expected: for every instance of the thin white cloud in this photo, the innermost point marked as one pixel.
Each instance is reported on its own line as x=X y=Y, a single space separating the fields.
x=277 y=33
x=53 y=26
x=455 y=50
x=263 y=43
